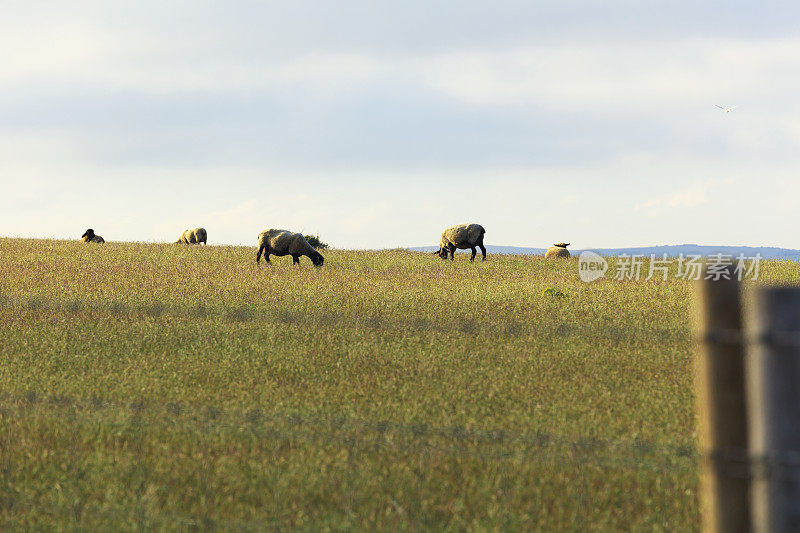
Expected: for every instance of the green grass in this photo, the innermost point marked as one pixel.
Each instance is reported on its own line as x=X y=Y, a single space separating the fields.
x=162 y=387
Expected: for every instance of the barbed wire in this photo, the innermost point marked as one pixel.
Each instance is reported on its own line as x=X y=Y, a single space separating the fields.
x=326 y=316
x=739 y=463
x=789 y=339
x=488 y=444
x=389 y=436
x=493 y=444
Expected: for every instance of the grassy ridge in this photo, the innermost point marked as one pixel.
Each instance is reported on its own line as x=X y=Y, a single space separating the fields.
x=174 y=387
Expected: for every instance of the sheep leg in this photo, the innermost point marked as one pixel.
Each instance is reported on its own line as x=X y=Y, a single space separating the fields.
x=452 y=253
x=295 y=259
x=483 y=250
x=266 y=254
x=474 y=251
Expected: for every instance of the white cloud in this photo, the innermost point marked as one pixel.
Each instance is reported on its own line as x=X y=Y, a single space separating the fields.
x=654 y=77
x=587 y=76
x=693 y=196
x=368 y=161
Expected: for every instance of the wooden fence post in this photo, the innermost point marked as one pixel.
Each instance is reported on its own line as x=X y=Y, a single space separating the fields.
x=773 y=398
x=722 y=417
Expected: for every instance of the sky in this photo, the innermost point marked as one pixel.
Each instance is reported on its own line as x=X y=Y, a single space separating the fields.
x=377 y=124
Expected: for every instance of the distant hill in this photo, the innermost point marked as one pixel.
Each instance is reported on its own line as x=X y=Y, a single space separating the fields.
x=767 y=252
x=512 y=250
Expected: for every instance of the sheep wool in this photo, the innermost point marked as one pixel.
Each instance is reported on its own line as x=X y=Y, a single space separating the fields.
x=282 y=242
x=558 y=251
x=462 y=236
x=193 y=236
x=89 y=236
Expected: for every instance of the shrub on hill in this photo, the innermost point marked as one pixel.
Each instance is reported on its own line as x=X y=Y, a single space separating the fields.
x=315 y=242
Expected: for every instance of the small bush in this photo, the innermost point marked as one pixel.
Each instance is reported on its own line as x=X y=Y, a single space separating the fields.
x=314 y=241
x=553 y=292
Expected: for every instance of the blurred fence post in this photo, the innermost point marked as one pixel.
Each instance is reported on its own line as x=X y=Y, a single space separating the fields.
x=773 y=398
x=720 y=396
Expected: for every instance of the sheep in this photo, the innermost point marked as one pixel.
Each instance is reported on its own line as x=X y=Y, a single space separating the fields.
x=558 y=251
x=461 y=236
x=282 y=242
x=89 y=236
x=193 y=236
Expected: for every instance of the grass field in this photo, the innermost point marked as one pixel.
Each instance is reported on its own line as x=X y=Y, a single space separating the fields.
x=171 y=387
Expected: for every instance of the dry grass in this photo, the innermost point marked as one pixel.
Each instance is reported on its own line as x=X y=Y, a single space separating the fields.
x=172 y=387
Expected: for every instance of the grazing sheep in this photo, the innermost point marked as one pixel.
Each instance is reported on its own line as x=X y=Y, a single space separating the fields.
x=193 y=236
x=282 y=242
x=462 y=236
x=558 y=251
x=89 y=236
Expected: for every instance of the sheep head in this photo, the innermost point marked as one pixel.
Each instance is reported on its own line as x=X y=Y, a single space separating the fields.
x=317 y=259
x=88 y=235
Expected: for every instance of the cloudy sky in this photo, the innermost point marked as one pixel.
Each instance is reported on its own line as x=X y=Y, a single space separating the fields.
x=377 y=124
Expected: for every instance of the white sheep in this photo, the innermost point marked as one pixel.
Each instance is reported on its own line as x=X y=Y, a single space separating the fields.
x=558 y=251
x=89 y=236
x=282 y=242
x=462 y=236
x=193 y=236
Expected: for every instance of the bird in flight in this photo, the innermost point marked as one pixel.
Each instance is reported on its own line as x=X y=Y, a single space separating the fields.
x=727 y=109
